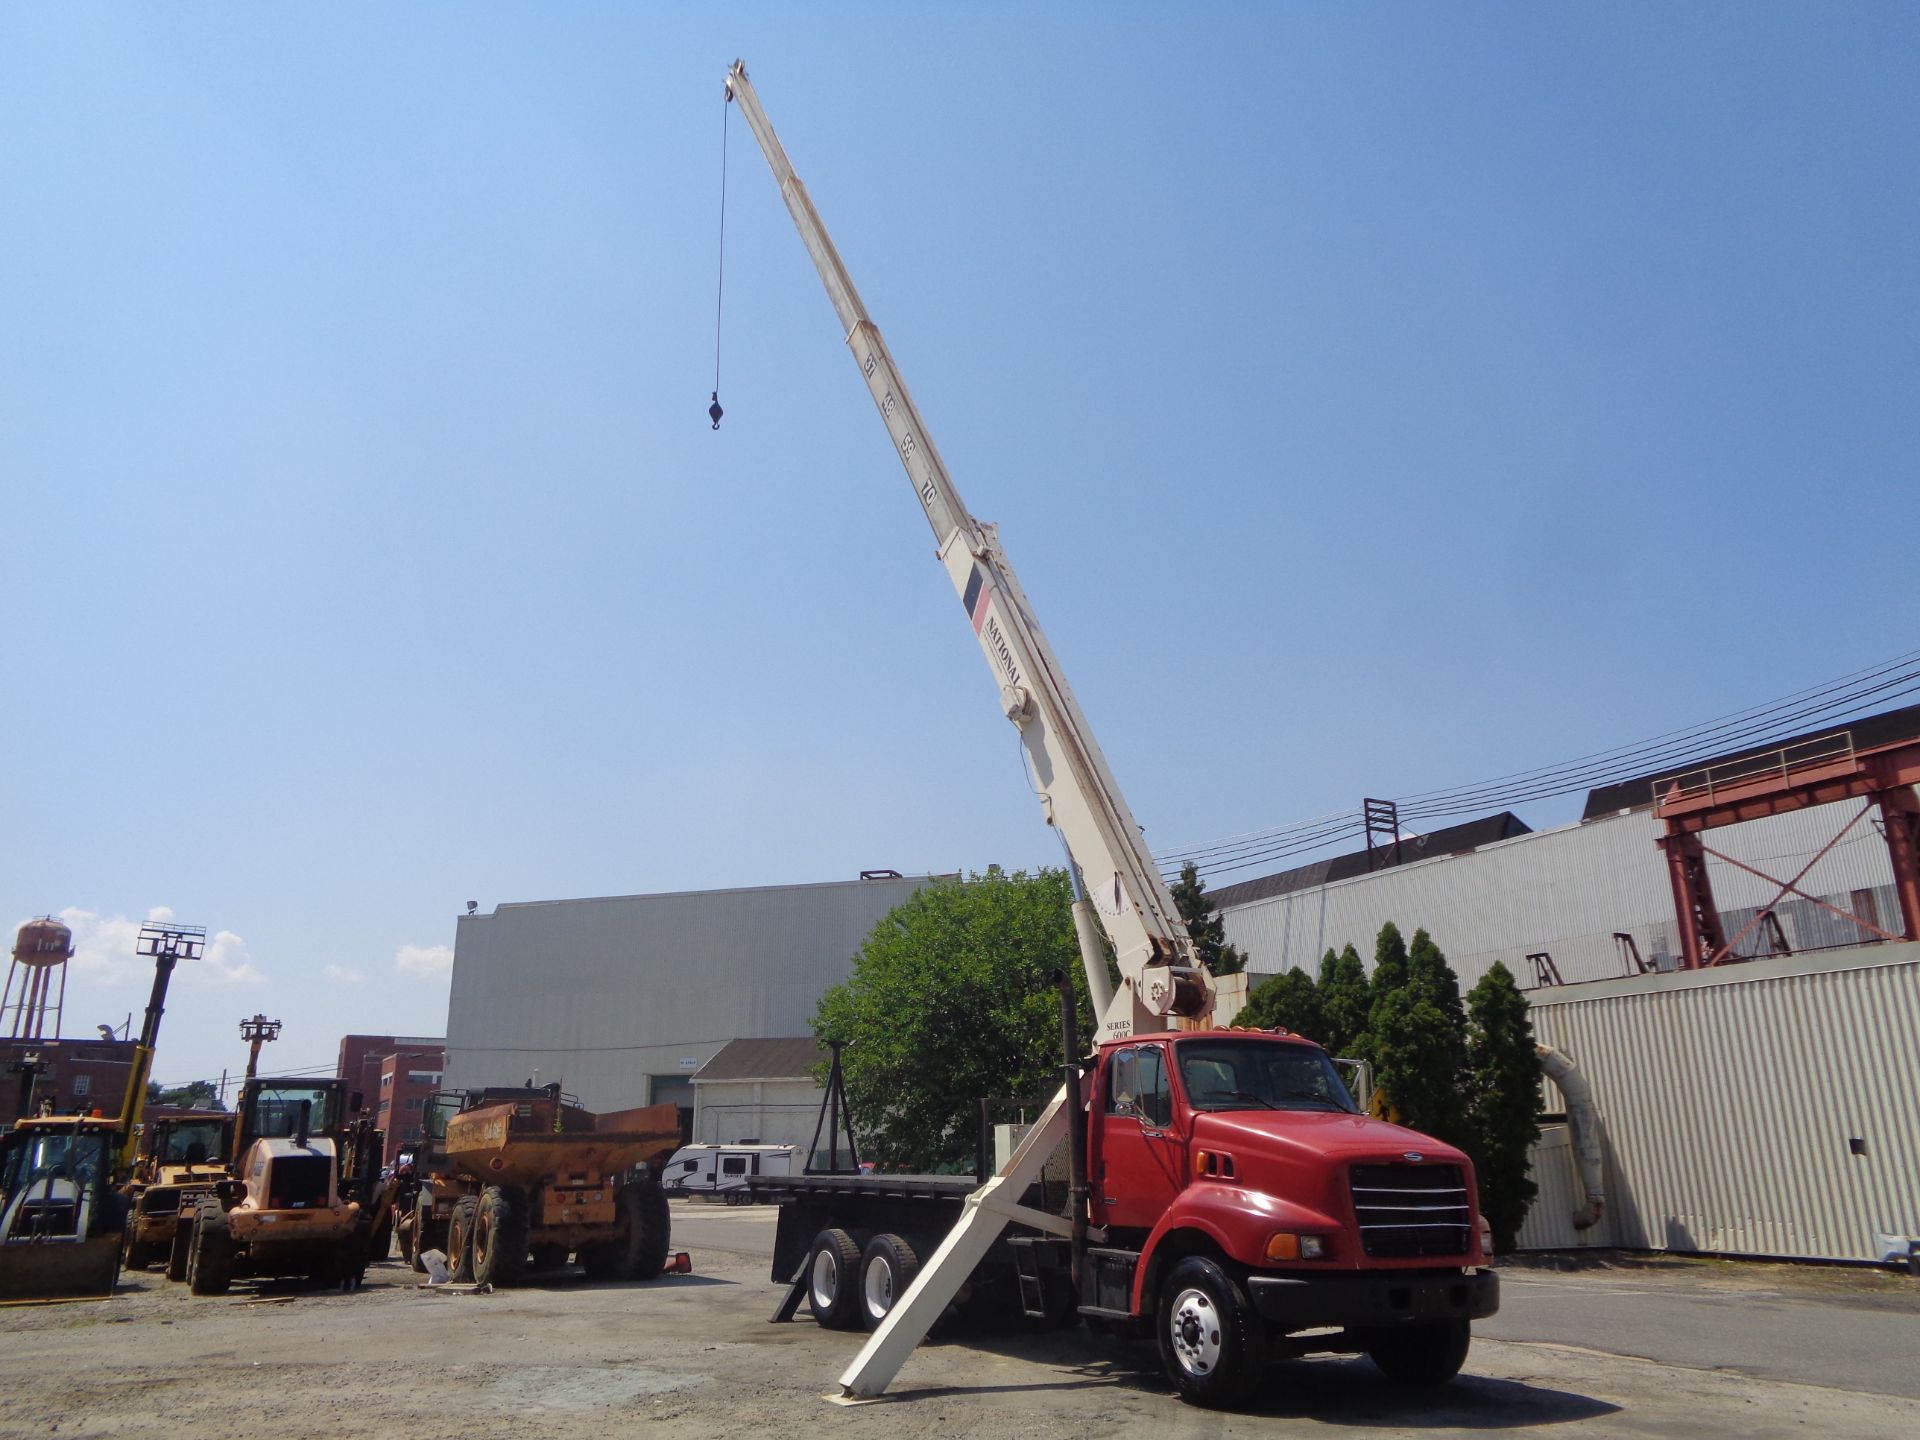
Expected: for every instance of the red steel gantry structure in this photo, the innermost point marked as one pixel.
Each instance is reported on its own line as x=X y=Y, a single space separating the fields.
x=1822 y=771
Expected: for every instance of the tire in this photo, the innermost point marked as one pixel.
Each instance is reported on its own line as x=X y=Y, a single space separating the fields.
x=887 y=1269
x=833 y=1280
x=460 y=1240
x=1212 y=1344
x=1422 y=1355
x=500 y=1236
x=137 y=1254
x=649 y=1229
x=177 y=1252
x=210 y=1254
x=380 y=1245
x=413 y=1240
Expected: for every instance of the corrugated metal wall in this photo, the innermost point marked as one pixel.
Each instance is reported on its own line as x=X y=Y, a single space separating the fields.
x=1567 y=891
x=1731 y=1102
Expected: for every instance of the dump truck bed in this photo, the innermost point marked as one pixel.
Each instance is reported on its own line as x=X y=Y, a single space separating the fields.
x=528 y=1142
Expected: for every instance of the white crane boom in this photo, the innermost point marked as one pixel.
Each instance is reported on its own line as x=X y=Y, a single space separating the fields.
x=1160 y=977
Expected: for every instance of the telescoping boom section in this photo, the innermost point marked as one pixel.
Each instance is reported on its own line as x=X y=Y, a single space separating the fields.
x=1121 y=894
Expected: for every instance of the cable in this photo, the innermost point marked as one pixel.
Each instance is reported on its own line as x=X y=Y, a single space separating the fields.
x=1746 y=729
x=714 y=412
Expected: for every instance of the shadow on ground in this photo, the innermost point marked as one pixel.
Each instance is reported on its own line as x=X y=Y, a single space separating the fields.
x=1333 y=1390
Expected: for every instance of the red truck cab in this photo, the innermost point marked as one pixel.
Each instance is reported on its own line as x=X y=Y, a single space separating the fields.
x=1238 y=1197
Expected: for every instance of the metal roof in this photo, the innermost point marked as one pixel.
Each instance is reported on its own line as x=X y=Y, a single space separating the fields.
x=780 y=1058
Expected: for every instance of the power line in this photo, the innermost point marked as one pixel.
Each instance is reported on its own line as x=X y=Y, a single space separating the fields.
x=1748 y=728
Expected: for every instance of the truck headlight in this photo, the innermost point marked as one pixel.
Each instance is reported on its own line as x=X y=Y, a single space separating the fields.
x=1287 y=1245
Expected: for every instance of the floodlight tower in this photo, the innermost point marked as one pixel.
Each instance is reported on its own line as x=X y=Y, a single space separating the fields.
x=256 y=1032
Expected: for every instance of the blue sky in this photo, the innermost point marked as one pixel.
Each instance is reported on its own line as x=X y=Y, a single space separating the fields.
x=1372 y=398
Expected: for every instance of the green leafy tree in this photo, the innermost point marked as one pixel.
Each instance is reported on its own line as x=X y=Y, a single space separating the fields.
x=1204 y=926
x=1503 y=1100
x=1417 y=1046
x=1290 y=1001
x=195 y=1095
x=1345 y=999
x=952 y=999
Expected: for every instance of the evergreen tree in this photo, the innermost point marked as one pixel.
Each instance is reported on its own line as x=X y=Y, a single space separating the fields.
x=1289 y=1001
x=1345 y=998
x=1204 y=926
x=1389 y=960
x=1504 y=1100
x=1417 y=1046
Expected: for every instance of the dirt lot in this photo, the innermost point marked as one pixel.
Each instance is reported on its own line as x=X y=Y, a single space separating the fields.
x=695 y=1356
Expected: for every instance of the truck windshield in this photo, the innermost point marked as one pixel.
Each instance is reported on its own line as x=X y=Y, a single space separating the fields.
x=276 y=1109
x=198 y=1143
x=1260 y=1075
x=439 y=1108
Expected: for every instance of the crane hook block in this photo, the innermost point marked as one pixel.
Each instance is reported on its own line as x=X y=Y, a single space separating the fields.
x=714 y=412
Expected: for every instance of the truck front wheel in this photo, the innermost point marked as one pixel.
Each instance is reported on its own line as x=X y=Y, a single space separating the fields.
x=1212 y=1344
x=499 y=1236
x=210 y=1253
x=460 y=1239
x=1426 y=1354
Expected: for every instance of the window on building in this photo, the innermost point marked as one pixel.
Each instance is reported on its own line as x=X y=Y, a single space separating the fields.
x=386 y=1079
x=423 y=1077
x=83 y=1084
x=413 y=1102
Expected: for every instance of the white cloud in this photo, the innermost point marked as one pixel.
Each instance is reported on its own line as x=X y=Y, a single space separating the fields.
x=103 y=950
x=343 y=974
x=424 y=961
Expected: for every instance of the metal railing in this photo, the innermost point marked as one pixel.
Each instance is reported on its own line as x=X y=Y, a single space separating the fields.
x=1708 y=781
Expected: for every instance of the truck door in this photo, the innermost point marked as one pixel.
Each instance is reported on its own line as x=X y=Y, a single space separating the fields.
x=1142 y=1161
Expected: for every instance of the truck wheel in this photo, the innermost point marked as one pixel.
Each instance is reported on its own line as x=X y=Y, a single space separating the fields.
x=210 y=1254
x=833 y=1280
x=499 y=1236
x=886 y=1270
x=1211 y=1342
x=649 y=1229
x=1426 y=1354
x=460 y=1240
x=137 y=1254
x=177 y=1251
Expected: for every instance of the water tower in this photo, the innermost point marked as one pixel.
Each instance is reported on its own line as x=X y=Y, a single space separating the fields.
x=30 y=1005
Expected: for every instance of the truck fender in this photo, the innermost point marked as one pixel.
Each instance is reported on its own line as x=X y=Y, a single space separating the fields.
x=1236 y=1221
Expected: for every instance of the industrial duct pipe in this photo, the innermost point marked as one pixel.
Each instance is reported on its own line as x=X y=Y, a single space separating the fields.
x=1583 y=1125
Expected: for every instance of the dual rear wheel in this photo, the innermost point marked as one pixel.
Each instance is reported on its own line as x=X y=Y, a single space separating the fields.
x=851 y=1288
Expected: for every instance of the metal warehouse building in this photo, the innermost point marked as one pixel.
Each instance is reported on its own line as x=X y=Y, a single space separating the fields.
x=1719 y=955
x=623 y=999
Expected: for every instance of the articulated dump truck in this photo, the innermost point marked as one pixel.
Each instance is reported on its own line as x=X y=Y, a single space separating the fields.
x=536 y=1179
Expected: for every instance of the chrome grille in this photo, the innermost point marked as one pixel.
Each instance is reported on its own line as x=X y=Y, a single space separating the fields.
x=1406 y=1210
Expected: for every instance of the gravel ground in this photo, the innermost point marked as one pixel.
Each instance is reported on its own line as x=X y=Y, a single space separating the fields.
x=694 y=1356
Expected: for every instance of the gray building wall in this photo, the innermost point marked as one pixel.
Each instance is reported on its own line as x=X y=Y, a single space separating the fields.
x=1568 y=890
x=602 y=994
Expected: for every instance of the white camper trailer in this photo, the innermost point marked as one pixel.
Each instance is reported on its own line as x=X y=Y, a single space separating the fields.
x=723 y=1169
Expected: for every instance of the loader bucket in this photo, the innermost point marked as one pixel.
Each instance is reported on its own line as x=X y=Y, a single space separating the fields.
x=59 y=1269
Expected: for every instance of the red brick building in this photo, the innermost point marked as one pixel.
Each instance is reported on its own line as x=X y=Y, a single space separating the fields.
x=393 y=1075
x=80 y=1075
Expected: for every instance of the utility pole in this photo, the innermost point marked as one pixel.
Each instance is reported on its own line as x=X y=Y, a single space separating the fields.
x=256 y=1032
